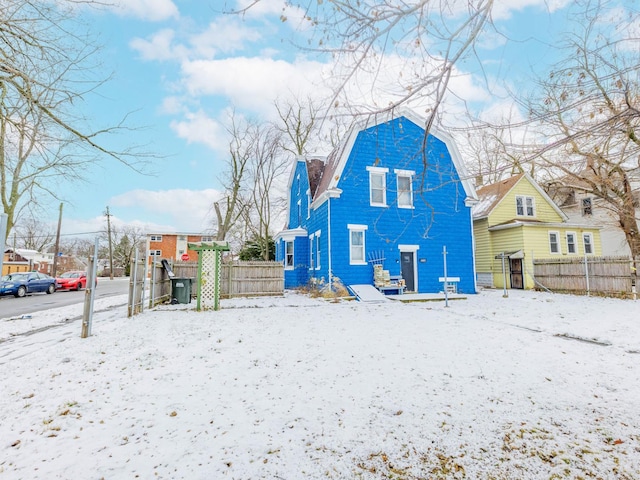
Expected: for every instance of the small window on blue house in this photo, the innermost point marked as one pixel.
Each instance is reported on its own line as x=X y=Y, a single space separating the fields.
x=318 y=250
x=311 y=252
x=356 y=244
x=299 y=212
x=405 y=188
x=378 y=186
x=308 y=203
x=288 y=254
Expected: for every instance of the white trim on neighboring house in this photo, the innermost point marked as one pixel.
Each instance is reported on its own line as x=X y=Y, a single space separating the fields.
x=569 y=244
x=557 y=243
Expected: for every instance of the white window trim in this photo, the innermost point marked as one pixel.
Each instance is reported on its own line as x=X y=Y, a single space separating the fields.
x=584 y=245
x=318 y=250
x=557 y=234
x=404 y=174
x=155 y=253
x=524 y=205
x=289 y=267
x=575 y=243
x=308 y=204
x=155 y=238
x=378 y=171
x=358 y=228
x=312 y=257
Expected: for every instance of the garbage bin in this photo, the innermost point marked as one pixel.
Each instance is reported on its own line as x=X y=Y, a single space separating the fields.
x=180 y=290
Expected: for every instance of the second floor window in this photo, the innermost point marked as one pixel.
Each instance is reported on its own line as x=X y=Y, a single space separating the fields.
x=405 y=189
x=525 y=206
x=378 y=186
x=586 y=206
x=155 y=238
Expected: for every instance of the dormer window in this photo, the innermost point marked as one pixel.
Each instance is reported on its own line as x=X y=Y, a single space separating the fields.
x=525 y=206
x=377 y=186
x=586 y=206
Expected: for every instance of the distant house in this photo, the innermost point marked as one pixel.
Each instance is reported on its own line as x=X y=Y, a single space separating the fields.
x=174 y=246
x=514 y=222
x=586 y=208
x=26 y=260
x=389 y=195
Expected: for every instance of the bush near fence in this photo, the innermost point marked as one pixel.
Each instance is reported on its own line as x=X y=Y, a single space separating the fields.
x=237 y=279
x=607 y=276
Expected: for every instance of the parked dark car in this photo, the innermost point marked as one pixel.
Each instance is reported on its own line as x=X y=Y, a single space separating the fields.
x=21 y=283
x=73 y=280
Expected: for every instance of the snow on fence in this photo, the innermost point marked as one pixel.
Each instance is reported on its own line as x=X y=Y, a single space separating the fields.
x=237 y=279
x=610 y=276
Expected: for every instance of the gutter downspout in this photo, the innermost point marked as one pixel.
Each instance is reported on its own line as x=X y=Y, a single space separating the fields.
x=329 y=240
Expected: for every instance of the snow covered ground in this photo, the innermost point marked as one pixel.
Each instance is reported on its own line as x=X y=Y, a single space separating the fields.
x=533 y=386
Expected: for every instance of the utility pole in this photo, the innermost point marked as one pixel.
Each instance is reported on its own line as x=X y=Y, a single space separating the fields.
x=54 y=269
x=110 y=246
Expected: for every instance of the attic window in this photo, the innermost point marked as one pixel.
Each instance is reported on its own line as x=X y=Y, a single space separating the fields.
x=525 y=206
x=586 y=206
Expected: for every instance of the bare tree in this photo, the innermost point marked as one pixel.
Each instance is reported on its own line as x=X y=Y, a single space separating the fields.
x=589 y=114
x=231 y=207
x=267 y=169
x=298 y=120
x=33 y=234
x=45 y=70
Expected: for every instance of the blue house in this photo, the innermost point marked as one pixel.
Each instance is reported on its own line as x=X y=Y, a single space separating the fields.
x=388 y=195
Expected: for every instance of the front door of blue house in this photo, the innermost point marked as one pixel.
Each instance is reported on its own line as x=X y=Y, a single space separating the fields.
x=407 y=269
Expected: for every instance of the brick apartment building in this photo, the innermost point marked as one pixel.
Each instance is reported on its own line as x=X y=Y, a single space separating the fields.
x=174 y=246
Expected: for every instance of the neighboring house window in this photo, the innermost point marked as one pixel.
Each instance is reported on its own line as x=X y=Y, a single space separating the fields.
x=571 y=242
x=356 y=244
x=288 y=254
x=155 y=253
x=587 y=240
x=405 y=188
x=206 y=239
x=318 y=250
x=378 y=186
x=311 y=252
x=586 y=206
x=554 y=245
x=182 y=238
x=525 y=206
x=156 y=238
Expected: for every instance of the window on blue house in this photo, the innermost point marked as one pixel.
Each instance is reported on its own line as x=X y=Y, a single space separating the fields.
x=318 y=250
x=288 y=254
x=308 y=203
x=311 y=252
x=378 y=186
x=405 y=188
x=356 y=244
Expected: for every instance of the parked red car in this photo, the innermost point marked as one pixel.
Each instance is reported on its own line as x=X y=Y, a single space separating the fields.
x=73 y=280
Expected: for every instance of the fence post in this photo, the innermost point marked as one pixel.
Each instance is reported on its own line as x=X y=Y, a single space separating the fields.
x=586 y=272
x=89 y=293
x=504 y=278
x=446 y=283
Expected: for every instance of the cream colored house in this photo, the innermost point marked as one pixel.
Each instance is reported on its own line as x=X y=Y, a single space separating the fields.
x=515 y=222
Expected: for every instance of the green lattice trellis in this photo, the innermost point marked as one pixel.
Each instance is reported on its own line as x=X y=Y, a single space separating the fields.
x=209 y=264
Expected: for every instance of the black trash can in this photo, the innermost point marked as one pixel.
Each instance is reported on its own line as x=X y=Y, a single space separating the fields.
x=180 y=290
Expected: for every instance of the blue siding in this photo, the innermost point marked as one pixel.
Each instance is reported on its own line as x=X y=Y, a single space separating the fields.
x=439 y=217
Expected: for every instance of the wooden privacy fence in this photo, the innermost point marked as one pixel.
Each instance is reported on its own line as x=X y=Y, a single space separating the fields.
x=609 y=276
x=237 y=279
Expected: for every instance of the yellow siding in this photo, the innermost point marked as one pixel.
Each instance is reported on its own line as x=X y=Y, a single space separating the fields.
x=484 y=252
x=505 y=211
x=504 y=241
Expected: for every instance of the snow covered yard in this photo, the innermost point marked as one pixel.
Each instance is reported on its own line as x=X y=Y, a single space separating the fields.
x=534 y=386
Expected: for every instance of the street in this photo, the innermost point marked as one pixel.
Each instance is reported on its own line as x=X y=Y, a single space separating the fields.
x=12 y=307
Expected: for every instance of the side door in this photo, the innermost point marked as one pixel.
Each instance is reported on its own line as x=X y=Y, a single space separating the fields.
x=515 y=266
x=407 y=268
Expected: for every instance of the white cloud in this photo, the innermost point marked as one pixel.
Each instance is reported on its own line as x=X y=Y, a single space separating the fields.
x=177 y=209
x=151 y=10
x=226 y=35
x=159 y=46
x=252 y=83
x=502 y=9
x=198 y=127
